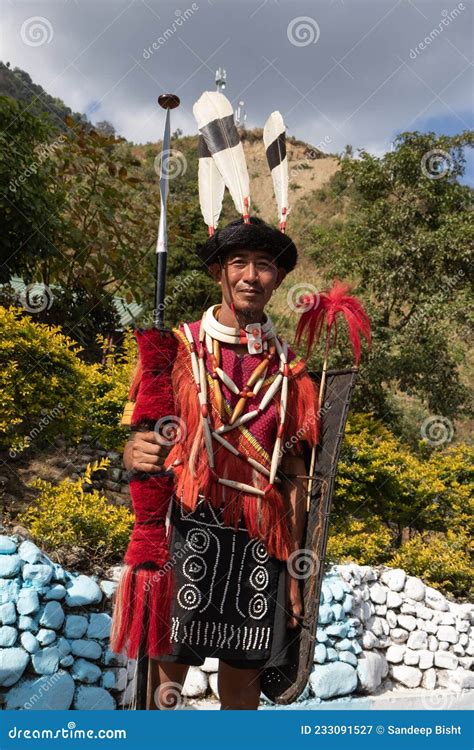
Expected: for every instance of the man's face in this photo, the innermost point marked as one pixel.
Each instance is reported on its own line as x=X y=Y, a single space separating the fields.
x=248 y=279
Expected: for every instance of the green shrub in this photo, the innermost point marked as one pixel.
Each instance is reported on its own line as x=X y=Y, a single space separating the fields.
x=65 y=514
x=43 y=383
x=442 y=560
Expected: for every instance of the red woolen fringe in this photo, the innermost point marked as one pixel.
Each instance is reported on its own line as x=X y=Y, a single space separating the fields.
x=143 y=597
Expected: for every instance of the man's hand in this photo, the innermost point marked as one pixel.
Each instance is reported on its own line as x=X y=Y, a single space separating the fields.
x=146 y=451
x=295 y=604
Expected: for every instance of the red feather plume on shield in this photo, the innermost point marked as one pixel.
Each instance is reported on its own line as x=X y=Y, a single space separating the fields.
x=322 y=309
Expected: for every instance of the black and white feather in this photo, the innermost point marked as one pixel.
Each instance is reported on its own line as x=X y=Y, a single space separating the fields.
x=211 y=186
x=274 y=139
x=215 y=120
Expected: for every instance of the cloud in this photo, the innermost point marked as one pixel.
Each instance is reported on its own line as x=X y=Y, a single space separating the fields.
x=356 y=71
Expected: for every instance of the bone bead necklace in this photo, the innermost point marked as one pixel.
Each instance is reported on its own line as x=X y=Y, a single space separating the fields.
x=212 y=333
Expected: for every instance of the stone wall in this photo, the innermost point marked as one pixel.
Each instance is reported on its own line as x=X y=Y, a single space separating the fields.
x=377 y=628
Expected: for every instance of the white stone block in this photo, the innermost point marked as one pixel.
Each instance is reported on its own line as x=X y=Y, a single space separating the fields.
x=445 y=660
x=408 y=676
x=394 y=578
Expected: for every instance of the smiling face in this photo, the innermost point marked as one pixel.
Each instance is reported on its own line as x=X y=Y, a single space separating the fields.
x=248 y=279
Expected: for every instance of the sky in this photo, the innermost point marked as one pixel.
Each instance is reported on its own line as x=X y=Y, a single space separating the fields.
x=340 y=71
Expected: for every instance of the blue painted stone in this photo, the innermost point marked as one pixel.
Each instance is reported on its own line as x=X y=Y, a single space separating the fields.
x=87 y=649
x=76 y=626
x=352 y=632
x=9 y=565
x=348 y=603
x=320 y=653
x=7 y=545
x=111 y=659
x=39 y=574
x=345 y=645
x=59 y=572
x=27 y=601
x=353 y=622
x=321 y=636
x=108 y=679
x=327 y=593
x=9 y=589
x=331 y=654
x=8 y=636
x=30 y=553
x=67 y=661
x=356 y=647
x=46 y=661
x=64 y=646
x=46 y=636
x=348 y=657
x=29 y=642
x=338 y=611
x=330 y=680
x=93 y=699
x=13 y=663
x=99 y=625
x=337 y=589
x=53 y=616
x=85 y=671
x=325 y=614
x=108 y=587
x=7 y=613
x=42 y=693
x=338 y=628
x=57 y=591
x=25 y=622
x=81 y=591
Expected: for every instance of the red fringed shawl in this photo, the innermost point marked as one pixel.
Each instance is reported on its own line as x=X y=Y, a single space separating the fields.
x=266 y=517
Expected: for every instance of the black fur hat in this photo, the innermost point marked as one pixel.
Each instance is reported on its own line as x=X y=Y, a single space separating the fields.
x=257 y=235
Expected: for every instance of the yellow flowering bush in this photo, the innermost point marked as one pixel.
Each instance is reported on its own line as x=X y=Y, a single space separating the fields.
x=46 y=389
x=43 y=383
x=442 y=560
x=65 y=514
x=386 y=493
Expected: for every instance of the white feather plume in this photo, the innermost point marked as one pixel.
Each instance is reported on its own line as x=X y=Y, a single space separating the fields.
x=214 y=117
x=274 y=132
x=211 y=187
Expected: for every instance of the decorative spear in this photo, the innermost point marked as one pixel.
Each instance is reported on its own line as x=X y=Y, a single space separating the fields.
x=140 y=623
x=321 y=310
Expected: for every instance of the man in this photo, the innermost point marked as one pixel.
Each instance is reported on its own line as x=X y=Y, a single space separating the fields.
x=238 y=520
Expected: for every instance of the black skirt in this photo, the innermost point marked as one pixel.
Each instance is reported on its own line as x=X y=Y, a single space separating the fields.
x=229 y=599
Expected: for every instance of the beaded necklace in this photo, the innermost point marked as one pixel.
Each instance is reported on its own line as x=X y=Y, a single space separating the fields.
x=210 y=336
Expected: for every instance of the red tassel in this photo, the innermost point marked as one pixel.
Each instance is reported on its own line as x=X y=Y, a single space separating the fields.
x=143 y=598
x=323 y=308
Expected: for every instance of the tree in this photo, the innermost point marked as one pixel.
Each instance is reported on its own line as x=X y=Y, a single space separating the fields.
x=408 y=245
